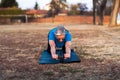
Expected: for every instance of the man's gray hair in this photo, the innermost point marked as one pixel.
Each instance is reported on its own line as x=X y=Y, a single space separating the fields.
x=60 y=30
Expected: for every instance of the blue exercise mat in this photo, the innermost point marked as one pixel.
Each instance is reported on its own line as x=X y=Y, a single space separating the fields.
x=46 y=58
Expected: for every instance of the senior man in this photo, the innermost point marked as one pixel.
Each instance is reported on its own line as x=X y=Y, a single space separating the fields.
x=59 y=47
x=59 y=38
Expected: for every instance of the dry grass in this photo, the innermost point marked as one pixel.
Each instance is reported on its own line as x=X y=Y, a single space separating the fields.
x=21 y=47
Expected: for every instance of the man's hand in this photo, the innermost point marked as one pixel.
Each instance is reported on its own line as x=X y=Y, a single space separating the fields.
x=66 y=56
x=55 y=56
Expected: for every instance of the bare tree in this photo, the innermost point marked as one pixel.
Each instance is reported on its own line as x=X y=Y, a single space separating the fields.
x=113 y=19
x=101 y=10
x=99 y=6
x=94 y=11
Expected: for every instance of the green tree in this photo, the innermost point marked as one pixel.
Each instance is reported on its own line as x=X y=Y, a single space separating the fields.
x=56 y=6
x=8 y=3
x=62 y=4
x=73 y=10
x=36 y=6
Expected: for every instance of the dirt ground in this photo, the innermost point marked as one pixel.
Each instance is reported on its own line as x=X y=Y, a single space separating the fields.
x=21 y=46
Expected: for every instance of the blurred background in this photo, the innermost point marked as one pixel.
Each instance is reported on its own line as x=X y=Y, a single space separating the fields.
x=98 y=12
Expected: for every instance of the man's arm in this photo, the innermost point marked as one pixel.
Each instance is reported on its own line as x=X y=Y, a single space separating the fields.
x=53 y=49
x=68 y=49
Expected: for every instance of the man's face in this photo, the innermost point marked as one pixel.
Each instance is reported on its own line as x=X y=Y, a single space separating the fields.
x=60 y=37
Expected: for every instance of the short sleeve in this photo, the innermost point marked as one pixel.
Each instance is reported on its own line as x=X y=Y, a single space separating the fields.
x=51 y=36
x=68 y=37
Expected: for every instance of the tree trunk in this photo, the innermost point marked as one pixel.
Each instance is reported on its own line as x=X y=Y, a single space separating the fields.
x=113 y=19
x=101 y=11
x=94 y=11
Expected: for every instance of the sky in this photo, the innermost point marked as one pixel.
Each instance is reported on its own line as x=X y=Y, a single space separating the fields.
x=29 y=4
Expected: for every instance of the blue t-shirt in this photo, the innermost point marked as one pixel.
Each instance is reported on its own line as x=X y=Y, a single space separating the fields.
x=51 y=36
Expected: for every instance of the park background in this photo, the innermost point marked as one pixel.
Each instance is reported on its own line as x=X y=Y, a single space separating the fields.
x=59 y=11
x=23 y=37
